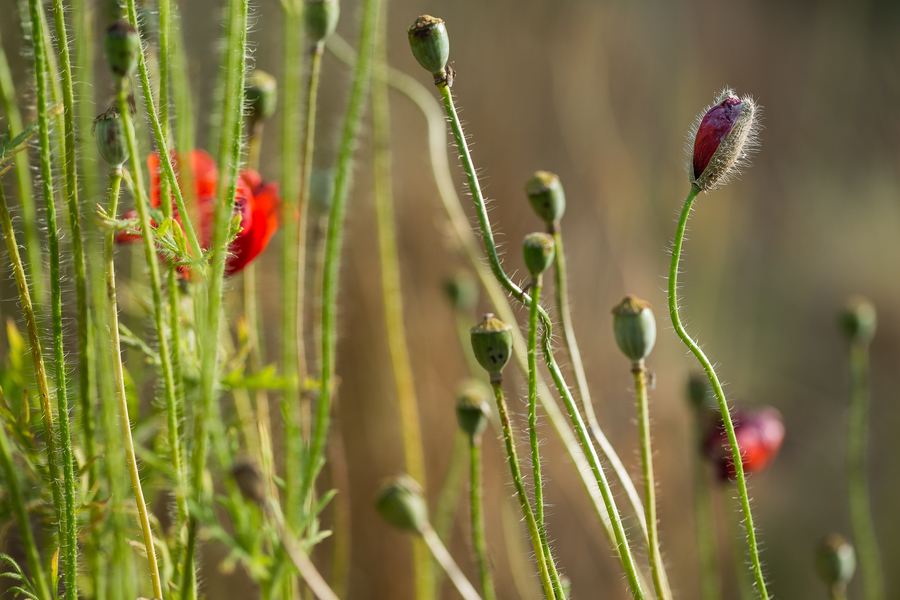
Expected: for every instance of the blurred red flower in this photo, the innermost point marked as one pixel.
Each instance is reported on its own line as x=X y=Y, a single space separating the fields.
x=759 y=433
x=255 y=201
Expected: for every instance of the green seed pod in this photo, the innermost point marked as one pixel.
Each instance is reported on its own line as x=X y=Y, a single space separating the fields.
x=492 y=341
x=462 y=290
x=321 y=18
x=635 y=328
x=249 y=482
x=858 y=320
x=472 y=410
x=111 y=138
x=430 y=44
x=121 y=47
x=260 y=95
x=699 y=390
x=401 y=504
x=538 y=250
x=835 y=560
x=547 y=197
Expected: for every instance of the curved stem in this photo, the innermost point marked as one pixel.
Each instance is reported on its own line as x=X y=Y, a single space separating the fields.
x=717 y=388
x=857 y=480
x=519 y=484
x=639 y=371
x=447 y=563
x=532 y=436
x=476 y=505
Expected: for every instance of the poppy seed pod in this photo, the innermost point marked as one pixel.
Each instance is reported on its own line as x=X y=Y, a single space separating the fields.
x=260 y=95
x=634 y=328
x=835 y=561
x=430 y=44
x=721 y=140
x=538 y=250
x=321 y=18
x=492 y=341
x=111 y=138
x=545 y=192
x=401 y=504
x=858 y=320
x=121 y=48
x=472 y=411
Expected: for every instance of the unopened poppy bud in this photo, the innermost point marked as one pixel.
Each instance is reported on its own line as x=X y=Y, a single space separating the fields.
x=111 y=138
x=858 y=320
x=249 y=482
x=401 y=504
x=492 y=341
x=545 y=192
x=835 y=561
x=321 y=19
x=538 y=250
x=121 y=47
x=759 y=433
x=430 y=44
x=634 y=328
x=462 y=290
x=472 y=410
x=699 y=390
x=722 y=138
x=260 y=95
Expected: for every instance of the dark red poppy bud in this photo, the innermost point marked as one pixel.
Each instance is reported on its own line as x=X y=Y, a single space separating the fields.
x=721 y=140
x=759 y=433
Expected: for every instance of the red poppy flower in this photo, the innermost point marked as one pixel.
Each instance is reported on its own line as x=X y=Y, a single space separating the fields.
x=256 y=202
x=759 y=434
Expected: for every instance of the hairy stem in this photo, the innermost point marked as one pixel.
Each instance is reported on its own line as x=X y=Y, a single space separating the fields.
x=476 y=509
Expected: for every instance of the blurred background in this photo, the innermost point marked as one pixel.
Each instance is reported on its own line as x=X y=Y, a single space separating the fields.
x=603 y=93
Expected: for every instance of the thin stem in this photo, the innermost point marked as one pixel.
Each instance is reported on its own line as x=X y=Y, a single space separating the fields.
x=519 y=484
x=446 y=561
x=639 y=371
x=65 y=502
x=568 y=334
x=720 y=395
x=9 y=470
x=537 y=480
x=142 y=205
x=334 y=238
x=302 y=562
x=861 y=517
x=476 y=508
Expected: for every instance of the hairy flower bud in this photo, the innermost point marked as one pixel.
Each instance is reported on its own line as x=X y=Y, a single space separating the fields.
x=545 y=192
x=401 y=504
x=721 y=140
x=260 y=95
x=111 y=138
x=492 y=341
x=472 y=410
x=430 y=44
x=321 y=18
x=835 y=560
x=858 y=320
x=121 y=47
x=538 y=250
x=634 y=328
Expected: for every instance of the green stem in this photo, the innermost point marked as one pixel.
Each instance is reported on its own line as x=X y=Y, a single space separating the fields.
x=142 y=205
x=710 y=587
x=9 y=470
x=533 y=437
x=65 y=503
x=720 y=395
x=479 y=539
x=446 y=561
x=639 y=371
x=519 y=484
x=334 y=239
x=861 y=517
x=568 y=334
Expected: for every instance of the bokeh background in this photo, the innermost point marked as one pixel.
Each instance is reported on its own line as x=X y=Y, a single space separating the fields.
x=602 y=93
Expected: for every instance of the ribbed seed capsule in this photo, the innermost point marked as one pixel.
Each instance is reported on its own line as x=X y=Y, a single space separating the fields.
x=111 y=138
x=430 y=44
x=472 y=411
x=538 y=250
x=858 y=320
x=121 y=47
x=492 y=344
x=400 y=503
x=545 y=192
x=260 y=95
x=634 y=328
x=321 y=18
x=835 y=560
